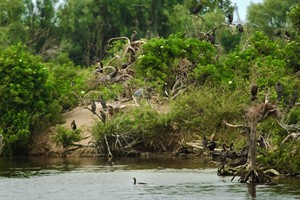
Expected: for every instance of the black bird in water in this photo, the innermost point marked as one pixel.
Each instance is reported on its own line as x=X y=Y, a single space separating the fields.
x=73 y=125
x=279 y=90
x=230 y=18
x=197 y=9
x=134 y=182
x=102 y=116
x=240 y=28
x=93 y=107
x=254 y=90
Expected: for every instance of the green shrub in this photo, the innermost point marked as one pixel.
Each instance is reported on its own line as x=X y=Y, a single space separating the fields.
x=66 y=137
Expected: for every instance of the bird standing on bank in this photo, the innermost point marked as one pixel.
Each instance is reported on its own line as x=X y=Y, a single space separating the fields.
x=73 y=125
x=102 y=102
x=93 y=107
x=102 y=116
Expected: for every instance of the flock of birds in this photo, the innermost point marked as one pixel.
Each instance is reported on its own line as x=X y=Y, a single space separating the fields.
x=101 y=115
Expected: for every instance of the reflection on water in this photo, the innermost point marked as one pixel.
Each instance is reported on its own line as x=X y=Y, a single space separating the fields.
x=97 y=178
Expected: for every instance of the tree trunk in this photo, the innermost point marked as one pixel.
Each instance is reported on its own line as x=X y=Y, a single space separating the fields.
x=252 y=146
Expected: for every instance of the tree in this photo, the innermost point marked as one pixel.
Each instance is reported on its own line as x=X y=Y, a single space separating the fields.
x=25 y=98
x=12 y=30
x=294 y=16
x=269 y=15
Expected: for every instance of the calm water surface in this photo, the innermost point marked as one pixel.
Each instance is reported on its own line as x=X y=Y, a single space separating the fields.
x=96 y=178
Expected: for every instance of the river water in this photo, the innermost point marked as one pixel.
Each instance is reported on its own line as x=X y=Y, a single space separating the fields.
x=99 y=178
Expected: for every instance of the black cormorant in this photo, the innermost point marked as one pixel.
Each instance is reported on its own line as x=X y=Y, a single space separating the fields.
x=197 y=9
x=211 y=37
x=254 y=90
x=204 y=141
x=114 y=74
x=277 y=32
x=134 y=182
x=165 y=90
x=133 y=36
x=73 y=125
x=100 y=67
x=102 y=102
x=240 y=28
x=211 y=145
x=230 y=18
x=103 y=116
x=293 y=99
x=279 y=90
x=93 y=107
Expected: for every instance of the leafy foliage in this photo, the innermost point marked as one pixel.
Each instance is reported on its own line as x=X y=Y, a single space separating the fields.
x=24 y=94
x=160 y=57
x=66 y=137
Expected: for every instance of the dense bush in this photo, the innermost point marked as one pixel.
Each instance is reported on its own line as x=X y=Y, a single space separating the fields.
x=66 y=137
x=160 y=58
x=25 y=98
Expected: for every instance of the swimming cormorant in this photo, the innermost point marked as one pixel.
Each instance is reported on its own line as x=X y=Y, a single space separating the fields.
x=134 y=182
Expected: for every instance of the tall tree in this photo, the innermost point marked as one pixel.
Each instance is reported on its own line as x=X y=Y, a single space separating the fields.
x=11 y=27
x=269 y=15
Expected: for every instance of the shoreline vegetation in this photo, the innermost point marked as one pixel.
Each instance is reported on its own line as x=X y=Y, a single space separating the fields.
x=211 y=88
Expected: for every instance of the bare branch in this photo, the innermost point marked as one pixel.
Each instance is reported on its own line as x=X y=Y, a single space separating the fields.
x=234 y=126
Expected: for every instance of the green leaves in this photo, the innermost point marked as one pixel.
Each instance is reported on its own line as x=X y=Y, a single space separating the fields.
x=66 y=137
x=24 y=93
x=160 y=57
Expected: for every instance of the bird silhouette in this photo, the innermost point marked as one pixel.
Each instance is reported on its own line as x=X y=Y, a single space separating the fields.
x=133 y=36
x=73 y=125
x=253 y=91
x=230 y=18
x=204 y=141
x=102 y=116
x=93 y=107
x=165 y=90
x=197 y=9
x=279 y=90
x=240 y=28
x=102 y=102
x=135 y=182
x=114 y=73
